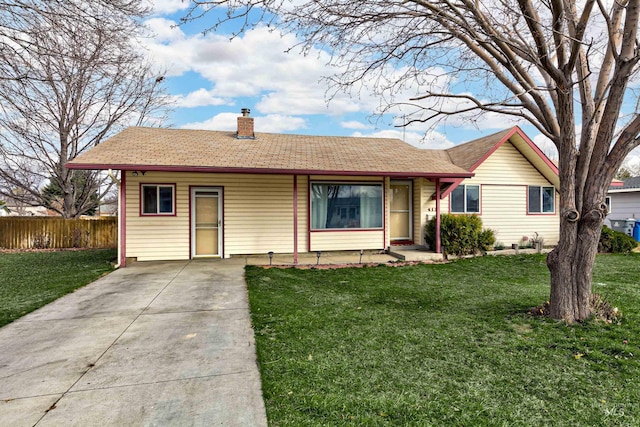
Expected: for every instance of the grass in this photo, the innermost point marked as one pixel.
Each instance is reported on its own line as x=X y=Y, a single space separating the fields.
x=29 y=280
x=443 y=345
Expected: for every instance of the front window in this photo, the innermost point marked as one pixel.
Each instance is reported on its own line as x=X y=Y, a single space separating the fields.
x=465 y=199
x=542 y=199
x=351 y=206
x=158 y=199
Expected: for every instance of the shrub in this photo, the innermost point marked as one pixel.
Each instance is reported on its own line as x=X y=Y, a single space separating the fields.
x=612 y=241
x=460 y=234
x=524 y=243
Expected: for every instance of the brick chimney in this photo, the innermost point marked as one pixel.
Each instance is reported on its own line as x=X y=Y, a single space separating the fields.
x=245 y=125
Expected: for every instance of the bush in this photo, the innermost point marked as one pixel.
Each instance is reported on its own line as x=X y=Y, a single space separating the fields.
x=612 y=241
x=460 y=235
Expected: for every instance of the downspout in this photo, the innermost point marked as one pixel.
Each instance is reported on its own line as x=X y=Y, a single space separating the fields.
x=438 y=215
x=295 y=219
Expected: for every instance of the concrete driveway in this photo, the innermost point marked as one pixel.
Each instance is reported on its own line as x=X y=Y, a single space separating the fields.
x=152 y=344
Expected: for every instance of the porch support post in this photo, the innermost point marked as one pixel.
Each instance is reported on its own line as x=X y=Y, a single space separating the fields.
x=122 y=219
x=437 y=215
x=295 y=219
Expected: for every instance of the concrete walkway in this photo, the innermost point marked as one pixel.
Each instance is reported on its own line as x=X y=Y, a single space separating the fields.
x=152 y=344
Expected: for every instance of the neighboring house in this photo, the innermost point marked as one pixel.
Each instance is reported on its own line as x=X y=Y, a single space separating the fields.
x=20 y=210
x=623 y=199
x=15 y=207
x=107 y=208
x=192 y=193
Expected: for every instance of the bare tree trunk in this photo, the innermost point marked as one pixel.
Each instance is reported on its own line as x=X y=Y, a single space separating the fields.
x=571 y=267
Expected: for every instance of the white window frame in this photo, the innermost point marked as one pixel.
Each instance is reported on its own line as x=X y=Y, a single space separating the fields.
x=542 y=211
x=157 y=212
x=464 y=193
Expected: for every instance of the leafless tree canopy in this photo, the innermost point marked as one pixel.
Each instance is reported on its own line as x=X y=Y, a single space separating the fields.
x=566 y=67
x=71 y=74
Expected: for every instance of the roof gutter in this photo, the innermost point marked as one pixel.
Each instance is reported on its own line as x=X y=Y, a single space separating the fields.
x=268 y=171
x=623 y=190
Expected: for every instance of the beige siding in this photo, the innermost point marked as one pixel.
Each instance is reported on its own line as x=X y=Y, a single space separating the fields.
x=426 y=209
x=258 y=215
x=417 y=216
x=504 y=210
x=160 y=237
x=303 y=213
x=347 y=240
x=504 y=177
x=507 y=166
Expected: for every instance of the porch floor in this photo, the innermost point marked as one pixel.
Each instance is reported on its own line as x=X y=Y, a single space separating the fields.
x=404 y=253
x=326 y=258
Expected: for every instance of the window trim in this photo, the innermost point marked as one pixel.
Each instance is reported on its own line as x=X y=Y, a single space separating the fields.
x=466 y=212
x=379 y=184
x=541 y=187
x=609 y=202
x=158 y=186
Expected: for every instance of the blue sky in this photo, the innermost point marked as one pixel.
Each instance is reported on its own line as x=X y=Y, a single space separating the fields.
x=213 y=76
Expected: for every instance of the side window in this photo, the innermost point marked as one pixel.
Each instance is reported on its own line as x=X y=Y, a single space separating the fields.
x=465 y=199
x=157 y=199
x=541 y=199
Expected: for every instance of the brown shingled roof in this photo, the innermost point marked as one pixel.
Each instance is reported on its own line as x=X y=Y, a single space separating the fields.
x=468 y=155
x=212 y=151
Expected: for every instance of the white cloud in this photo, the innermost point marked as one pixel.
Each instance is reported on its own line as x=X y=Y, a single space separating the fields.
x=254 y=64
x=546 y=146
x=198 y=98
x=166 y=7
x=430 y=140
x=632 y=162
x=354 y=124
x=276 y=123
x=164 y=30
x=222 y=121
x=272 y=123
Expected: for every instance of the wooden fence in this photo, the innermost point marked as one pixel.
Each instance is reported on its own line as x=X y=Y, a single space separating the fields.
x=48 y=232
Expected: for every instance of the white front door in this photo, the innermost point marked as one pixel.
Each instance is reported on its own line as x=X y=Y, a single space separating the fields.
x=206 y=222
x=401 y=211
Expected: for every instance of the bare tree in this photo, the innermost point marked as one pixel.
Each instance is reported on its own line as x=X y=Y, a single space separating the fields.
x=71 y=74
x=563 y=66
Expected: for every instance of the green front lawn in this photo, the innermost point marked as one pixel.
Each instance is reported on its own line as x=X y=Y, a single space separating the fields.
x=29 y=280
x=444 y=344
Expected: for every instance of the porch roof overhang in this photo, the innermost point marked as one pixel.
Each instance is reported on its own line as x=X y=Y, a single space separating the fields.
x=272 y=171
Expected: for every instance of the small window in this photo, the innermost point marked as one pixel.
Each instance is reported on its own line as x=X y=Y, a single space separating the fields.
x=542 y=199
x=158 y=199
x=465 y=199
x=607 y=201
